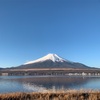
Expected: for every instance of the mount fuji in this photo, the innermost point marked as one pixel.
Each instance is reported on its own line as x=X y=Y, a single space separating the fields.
x=52 y=61
x=51 y=57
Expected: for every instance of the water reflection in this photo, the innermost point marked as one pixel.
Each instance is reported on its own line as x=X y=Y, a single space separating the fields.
x=39 y=84
x=35 y=88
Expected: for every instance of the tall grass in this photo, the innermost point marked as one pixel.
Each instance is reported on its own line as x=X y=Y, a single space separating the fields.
x=57 y=95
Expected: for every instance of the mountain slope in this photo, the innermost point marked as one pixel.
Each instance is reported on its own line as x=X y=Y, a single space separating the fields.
x=53 y=61
x=1 y=68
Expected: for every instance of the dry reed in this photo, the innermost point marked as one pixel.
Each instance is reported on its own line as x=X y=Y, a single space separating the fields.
x=51 y=95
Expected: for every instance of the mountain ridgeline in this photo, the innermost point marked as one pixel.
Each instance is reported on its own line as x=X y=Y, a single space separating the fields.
x=52 y=61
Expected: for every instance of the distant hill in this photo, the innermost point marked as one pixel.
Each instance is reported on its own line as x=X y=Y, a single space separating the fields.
x=1 y=68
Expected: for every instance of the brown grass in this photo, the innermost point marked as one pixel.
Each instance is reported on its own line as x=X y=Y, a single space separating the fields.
x=58 y=95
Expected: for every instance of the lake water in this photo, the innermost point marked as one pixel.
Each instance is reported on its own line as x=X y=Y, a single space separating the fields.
x=42 y=83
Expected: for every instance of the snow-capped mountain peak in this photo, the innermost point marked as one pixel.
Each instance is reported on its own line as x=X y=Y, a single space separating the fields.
x=52 y=57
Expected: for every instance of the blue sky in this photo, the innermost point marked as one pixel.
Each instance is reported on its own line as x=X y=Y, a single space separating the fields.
x=30 y=29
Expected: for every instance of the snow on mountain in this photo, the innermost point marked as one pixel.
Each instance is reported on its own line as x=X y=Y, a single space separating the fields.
x=52 y=57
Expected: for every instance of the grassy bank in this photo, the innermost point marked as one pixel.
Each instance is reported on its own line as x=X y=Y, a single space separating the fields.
x=70 y=95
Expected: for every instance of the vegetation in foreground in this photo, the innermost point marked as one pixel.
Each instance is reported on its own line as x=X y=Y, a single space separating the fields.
x=61 y=95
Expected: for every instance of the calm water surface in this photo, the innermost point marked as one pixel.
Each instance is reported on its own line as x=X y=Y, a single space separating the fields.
x=42 y=83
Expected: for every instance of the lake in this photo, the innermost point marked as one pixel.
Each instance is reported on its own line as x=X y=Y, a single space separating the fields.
x=10 y=84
